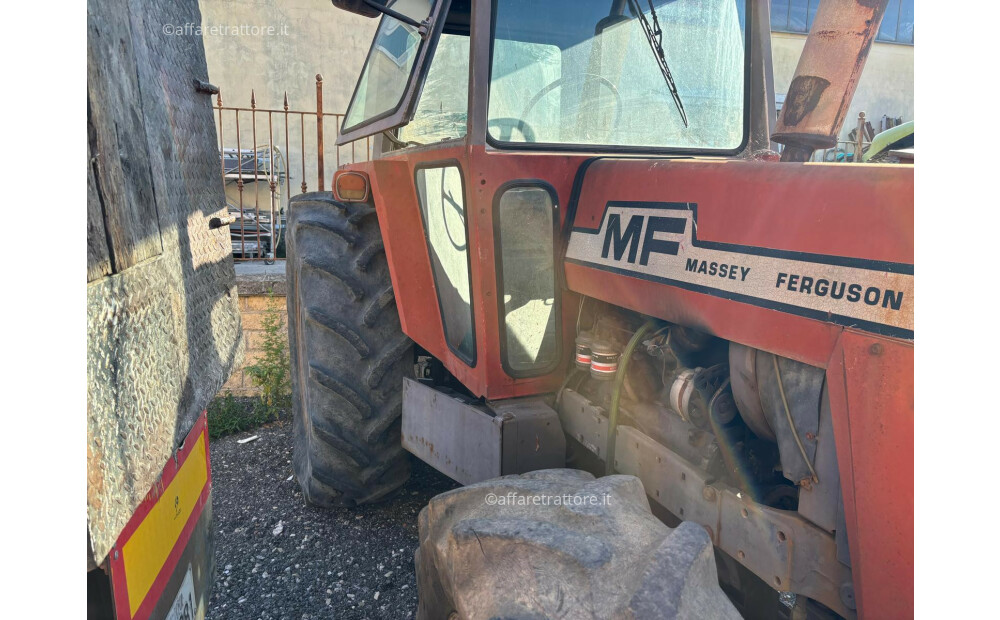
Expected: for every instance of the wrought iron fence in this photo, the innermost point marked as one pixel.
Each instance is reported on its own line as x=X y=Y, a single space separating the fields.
x=264 y=166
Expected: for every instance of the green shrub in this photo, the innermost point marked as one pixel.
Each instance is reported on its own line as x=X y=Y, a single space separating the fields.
x=272 y=372
x=228 y=414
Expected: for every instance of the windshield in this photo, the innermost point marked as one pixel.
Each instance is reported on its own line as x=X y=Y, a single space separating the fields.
x=584 y=72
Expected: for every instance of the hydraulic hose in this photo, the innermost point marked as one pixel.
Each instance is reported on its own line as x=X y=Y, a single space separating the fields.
x=791 y=422
x=616 y=391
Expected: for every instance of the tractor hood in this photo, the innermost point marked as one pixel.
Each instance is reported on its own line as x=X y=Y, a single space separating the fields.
x=830 y=243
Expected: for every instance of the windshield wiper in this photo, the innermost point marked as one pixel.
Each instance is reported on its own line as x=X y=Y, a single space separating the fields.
x=655 y=37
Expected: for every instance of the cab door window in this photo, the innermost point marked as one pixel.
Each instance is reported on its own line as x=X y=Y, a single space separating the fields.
x=525 y=218
x=440 y=191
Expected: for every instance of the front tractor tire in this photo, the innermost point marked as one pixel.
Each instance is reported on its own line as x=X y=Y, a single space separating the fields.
x=557 y=543
x=348 y=354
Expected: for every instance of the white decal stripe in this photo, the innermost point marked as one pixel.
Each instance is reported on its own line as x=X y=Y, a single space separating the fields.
x=874 y=296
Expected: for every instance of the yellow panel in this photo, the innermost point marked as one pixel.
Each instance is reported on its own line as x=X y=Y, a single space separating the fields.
x=146 y=551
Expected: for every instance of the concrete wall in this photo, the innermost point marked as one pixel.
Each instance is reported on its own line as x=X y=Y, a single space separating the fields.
x=886 y=86
x=307 y=37
x=312 y=37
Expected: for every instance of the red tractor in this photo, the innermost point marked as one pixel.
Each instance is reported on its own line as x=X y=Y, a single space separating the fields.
x=575 y=253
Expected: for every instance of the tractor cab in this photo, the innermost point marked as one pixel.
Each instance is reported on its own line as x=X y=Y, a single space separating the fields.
x=574 y=246
x=484 y=112
x=660 y=77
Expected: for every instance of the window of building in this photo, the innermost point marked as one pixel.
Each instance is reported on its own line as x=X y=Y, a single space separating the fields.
x=798 y=16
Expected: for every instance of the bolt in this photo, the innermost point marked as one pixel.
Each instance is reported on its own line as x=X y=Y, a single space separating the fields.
x=811 y=436
x=708 y=493
x=847 y=595
x=875 y=349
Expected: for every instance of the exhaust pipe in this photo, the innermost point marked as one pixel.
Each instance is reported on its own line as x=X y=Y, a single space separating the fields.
x=827 y=76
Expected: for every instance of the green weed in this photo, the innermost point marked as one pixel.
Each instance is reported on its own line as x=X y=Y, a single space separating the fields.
x=228 y=414
x=272 y=372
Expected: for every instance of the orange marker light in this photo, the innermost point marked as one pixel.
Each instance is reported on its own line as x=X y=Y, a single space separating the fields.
x=350 y=186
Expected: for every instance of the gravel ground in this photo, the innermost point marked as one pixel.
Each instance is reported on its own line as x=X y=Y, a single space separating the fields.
x=278 y=558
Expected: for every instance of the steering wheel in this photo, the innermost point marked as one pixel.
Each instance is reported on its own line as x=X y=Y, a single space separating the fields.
x=508 y=125
x=559 y=82
x=446 y=197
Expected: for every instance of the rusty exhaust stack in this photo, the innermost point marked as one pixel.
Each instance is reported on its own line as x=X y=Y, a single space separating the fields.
x=827 y=76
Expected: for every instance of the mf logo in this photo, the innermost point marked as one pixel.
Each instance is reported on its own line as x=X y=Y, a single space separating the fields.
x=618 y=241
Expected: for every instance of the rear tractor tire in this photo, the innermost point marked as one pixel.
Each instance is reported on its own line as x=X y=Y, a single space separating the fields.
x=348 y=354
x=537 y=546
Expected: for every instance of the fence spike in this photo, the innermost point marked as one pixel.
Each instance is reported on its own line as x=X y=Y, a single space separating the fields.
x=218 y=99
x=319 y=132
x=286 y=101
x=253 y=99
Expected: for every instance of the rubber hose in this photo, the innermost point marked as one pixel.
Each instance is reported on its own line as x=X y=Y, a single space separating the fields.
x=616 y=392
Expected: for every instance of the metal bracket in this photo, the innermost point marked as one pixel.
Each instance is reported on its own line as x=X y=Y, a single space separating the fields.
x=202 y=86
x=782 y=548
x=423 y=28
x=219 y=222
x=470 y=441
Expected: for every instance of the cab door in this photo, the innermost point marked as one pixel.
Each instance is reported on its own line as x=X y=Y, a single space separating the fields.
x=421 y=183
x=386 y=93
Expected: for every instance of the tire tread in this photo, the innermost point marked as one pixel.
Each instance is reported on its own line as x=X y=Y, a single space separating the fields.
x=348 y=354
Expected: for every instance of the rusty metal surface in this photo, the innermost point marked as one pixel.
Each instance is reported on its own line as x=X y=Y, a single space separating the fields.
x=319 y=132
x=470 y=442
x=743 y=376
x=762 y=104
x=870 y=382
x=790 y=394
x=827 y=75
x=531 y=436
x=779 y=546
x=459 y=439
x=584 y=422
x=821 y=502
x=162 y=335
